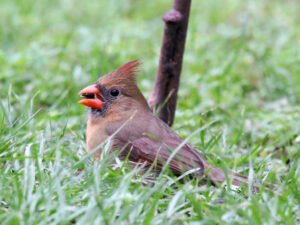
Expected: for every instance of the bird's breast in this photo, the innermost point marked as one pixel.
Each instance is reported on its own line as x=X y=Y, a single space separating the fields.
x=95 y=134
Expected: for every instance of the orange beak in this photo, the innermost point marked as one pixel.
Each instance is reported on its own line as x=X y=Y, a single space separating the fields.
x=92 y=97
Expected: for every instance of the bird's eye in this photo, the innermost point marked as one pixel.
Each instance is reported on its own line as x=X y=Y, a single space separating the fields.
x=114 y=92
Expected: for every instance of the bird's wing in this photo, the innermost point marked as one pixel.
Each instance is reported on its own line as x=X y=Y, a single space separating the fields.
x=158 y=153
x=159 y=144
x=166 y=146
x=152 y=141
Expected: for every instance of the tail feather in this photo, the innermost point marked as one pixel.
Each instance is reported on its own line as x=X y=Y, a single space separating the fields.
x=217 y=176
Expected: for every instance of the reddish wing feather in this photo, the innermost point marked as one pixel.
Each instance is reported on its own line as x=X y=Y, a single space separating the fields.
x=160 y=149
x=159 y=153
x=185 y=159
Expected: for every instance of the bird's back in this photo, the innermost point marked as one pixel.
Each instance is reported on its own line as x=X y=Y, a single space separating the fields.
x=152 y=140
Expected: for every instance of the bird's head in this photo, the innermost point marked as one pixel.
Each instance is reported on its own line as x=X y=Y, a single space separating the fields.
x=115 y=91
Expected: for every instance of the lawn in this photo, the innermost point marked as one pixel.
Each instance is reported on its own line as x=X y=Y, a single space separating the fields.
x=239 y=104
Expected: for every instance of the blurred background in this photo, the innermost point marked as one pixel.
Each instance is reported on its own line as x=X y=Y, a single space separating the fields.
x=241 y=62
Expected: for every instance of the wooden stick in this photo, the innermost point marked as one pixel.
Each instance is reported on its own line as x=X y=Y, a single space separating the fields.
x=164 y=94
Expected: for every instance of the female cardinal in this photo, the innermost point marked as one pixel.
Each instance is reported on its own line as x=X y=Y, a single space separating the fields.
x=119 y=111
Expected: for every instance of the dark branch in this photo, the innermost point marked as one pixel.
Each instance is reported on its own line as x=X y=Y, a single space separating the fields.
x=164 y=93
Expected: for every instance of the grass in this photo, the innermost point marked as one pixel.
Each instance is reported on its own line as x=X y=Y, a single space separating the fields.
x=241 y=69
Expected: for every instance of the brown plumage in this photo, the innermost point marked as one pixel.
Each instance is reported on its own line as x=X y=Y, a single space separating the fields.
x=118 y=108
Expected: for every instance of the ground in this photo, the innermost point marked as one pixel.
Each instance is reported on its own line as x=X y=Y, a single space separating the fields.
x=238 y=104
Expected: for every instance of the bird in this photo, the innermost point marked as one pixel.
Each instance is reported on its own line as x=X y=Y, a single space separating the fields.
x=119 y=111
